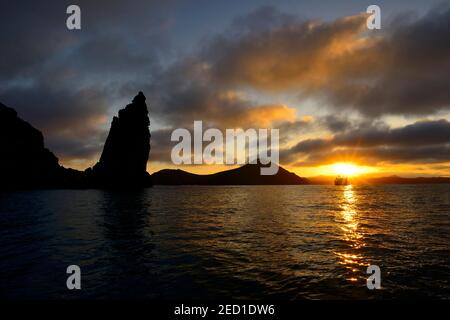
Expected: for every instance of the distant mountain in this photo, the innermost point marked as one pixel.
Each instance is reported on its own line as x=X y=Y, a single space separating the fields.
x=401 y=180
x=248 y=174
x=381 y=180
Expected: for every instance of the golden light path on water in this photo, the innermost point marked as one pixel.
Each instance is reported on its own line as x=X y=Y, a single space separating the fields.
x=348 y=217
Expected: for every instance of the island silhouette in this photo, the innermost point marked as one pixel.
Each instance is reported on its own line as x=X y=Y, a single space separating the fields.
x=248 y=174
x=27 y=164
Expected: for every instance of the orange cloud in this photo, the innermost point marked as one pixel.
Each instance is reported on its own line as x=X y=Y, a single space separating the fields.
x=265 y=116
x=303 y=55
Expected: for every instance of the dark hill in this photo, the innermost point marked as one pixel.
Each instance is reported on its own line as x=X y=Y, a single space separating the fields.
x=402 y=180
x=24 y=160
x=382 y=180
x=248 y=174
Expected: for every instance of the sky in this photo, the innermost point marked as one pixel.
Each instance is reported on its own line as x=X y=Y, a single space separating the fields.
x=338 y=92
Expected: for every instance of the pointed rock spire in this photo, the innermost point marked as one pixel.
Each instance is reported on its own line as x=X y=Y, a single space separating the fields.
x=124 y=158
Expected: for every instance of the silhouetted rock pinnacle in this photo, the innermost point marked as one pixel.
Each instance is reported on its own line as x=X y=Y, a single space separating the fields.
x=124 y=158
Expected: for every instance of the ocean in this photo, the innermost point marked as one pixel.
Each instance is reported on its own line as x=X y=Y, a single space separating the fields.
x=227 y=242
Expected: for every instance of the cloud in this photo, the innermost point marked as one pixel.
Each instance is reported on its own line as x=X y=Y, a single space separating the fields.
x=403 y=69
x=66 y=83
x=410 y=74
x=184 y=93
x=420 y=142
x=297 y=54
x=336 y=123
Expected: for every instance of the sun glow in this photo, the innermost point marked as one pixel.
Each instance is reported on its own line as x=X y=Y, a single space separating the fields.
x=347 y=169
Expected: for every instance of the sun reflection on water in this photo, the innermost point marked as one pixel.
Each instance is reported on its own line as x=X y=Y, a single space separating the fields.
x=351 y=259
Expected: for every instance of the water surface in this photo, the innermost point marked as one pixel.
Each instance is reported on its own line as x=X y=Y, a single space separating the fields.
x=245 y=242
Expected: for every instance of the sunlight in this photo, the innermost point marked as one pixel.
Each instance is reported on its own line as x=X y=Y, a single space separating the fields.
x=351 y=258
x=347 y=169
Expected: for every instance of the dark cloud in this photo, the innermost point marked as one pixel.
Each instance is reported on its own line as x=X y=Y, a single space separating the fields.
x=66 y=82
x=161 y=146
x=289 y=130
x=423 y=141
x=336 y=124
x=34 y=35
x=260 y=20
x=70 y=147
x=417 y=134
x=57 y=109
x=411 y=75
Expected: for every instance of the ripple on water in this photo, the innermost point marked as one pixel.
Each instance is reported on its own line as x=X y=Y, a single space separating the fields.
x=282 y=242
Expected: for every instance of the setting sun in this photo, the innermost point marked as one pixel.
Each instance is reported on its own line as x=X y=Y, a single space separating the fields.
x=347 y=169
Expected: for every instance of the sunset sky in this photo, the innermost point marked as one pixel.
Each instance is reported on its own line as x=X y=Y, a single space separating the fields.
x=339 y=93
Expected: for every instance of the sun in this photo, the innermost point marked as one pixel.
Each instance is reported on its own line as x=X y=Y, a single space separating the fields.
x=347 y=169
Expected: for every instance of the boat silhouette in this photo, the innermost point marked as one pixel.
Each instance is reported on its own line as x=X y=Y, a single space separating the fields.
x=341 y=181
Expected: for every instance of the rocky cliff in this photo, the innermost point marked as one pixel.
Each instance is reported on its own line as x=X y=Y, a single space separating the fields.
x=24 y=160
